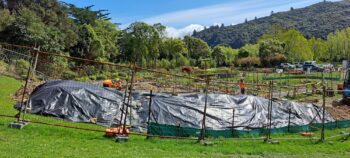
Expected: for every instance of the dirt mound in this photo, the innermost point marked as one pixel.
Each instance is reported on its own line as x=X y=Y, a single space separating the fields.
x=340 y=112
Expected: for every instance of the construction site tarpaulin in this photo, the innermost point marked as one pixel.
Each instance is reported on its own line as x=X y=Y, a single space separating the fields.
x=76 y=101
x=81 y=102
x=243 y=112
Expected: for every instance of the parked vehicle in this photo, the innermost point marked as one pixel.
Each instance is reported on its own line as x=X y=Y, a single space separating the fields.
x=312 y=66
x=328 y=67
x=299 y=64
x=286 y=66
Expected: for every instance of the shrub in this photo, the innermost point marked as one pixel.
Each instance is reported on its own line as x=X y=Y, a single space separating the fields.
x=164 y=64
x=21 y=67
x=83 y=79
x=3 y=67
x=92 y=78
x=114 y=75
x=69 y=75
x=122 y=74
x=249 y=61
x=101 y=77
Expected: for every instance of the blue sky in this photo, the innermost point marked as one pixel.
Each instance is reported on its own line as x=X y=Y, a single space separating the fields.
x=183 y=16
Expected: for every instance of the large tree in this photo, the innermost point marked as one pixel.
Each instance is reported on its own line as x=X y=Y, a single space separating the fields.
x=140 y=41
x=224 y=56
x=271 y=52
x=197 y=49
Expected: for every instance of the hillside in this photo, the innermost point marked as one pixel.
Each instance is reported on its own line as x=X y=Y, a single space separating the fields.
x=317 y=20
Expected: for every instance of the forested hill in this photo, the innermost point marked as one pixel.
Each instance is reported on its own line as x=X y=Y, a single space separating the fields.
x=317 y=20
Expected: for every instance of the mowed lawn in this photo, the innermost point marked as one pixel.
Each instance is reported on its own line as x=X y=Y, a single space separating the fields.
x=37 y=140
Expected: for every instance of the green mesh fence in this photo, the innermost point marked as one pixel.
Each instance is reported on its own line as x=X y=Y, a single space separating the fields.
x=169 y=130
x=300 y=77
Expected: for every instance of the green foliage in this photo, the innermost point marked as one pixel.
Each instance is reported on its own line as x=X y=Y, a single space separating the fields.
x=339 y=45
x=6 y=19
x=182 y=61
x=57 y=67
x=21 y=67
x=197 y=49
x=89 y=45
x=101 y=77
x=69 y=75
x=173 y=48
x=140 y=40
x=319 y=49
x=249 y=61
x=164 y=64
x=108 y=34
x=296 y=45
x=224 y=56
x=3 y=67
x=317 y=21
x=271 y=52
x=86 y=15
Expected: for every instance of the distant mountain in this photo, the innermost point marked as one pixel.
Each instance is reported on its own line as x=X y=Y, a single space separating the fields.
x=317 y=20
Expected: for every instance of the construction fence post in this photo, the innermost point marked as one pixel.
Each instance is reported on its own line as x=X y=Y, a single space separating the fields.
x=25 y=91
x=233 y=122
x=149 y=113
x=202 y=133
x=270 y=112
x=125 y=96
x=128 y=104
x=289 y=113
x=323 y=114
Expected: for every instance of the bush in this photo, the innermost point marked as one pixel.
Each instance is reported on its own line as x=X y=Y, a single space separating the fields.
x=83 y=79
x=101 y=77
x=114 y=75
x=69 y=75
x=122 y=74
x=3 y=67
x=21 y=67
x=249 y=61
x=164 y=64
x=182 y=61
x=93 y=78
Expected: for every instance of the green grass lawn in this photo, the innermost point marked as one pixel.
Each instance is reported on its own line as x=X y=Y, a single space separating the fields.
x=37 y=140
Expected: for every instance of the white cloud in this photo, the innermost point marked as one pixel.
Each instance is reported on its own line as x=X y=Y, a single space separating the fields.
x=178 y=33
x=227 y=13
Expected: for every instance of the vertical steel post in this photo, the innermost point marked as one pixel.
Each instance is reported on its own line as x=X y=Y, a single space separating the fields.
x=202 y=134
x=149 y=112
x=270 y=110
x=233 y=122
x=129 y=96
x=289 y=113
x=123 y=106
x=25 y=90
x=124 y=98
x=323 y=113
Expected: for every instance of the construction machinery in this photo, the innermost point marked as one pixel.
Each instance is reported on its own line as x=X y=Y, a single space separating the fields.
x=346 y=86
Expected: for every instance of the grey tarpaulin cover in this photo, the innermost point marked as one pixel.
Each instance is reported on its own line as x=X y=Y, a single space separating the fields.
x=80 y=102
x=76 y=101
x=250 y=112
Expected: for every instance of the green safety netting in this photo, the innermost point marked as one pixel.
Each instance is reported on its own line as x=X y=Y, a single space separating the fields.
x=300 y=77
x=170 y=130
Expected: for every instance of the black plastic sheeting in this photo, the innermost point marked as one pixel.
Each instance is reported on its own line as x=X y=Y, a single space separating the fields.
x=76 y=101
x=81 y=102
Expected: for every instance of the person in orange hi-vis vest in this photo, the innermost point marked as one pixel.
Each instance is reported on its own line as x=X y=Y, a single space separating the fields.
x=242 y=86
